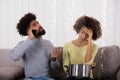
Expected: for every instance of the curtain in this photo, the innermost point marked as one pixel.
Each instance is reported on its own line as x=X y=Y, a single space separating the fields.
x=58 y=18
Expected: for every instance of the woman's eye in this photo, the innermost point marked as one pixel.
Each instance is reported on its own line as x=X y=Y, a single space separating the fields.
x=82 y=32
x=86 y=34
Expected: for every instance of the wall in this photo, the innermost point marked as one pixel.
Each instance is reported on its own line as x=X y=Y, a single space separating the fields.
x=58 y=17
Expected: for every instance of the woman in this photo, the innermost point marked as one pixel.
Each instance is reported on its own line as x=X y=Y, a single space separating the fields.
x=82 y=50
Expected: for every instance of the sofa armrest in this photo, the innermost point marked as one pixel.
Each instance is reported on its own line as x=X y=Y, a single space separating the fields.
x=107 y=62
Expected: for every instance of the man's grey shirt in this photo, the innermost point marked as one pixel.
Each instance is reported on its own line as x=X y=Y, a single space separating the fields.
x=36 y=56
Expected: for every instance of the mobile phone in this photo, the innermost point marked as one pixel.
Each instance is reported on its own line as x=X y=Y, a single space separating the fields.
x=34 y=33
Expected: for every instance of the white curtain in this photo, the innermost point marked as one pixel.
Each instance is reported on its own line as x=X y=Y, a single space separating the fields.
x=58 y=17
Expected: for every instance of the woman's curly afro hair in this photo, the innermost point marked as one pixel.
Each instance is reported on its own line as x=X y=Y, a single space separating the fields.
x=24 y=23
x=90 y=23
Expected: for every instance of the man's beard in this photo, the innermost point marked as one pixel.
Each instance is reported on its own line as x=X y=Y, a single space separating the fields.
x=39 y=33
x=42 y=31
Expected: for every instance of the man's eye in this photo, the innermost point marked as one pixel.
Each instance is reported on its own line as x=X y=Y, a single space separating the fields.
x=34 y=24
x=37 y=22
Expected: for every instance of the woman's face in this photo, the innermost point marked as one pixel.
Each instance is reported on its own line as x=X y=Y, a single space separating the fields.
x=82 y=33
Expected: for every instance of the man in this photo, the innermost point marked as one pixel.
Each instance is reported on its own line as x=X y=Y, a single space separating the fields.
x=35 y=51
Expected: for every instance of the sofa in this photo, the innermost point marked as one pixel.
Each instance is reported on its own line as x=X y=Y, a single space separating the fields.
x=107 y=65
x=10 y=70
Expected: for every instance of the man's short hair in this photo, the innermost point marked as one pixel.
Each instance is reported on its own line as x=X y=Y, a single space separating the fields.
x=24 y=23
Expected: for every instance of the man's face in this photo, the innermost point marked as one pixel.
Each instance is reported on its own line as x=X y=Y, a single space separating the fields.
x=37 y=29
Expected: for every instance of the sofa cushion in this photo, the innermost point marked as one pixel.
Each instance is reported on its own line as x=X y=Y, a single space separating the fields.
x=11 y=73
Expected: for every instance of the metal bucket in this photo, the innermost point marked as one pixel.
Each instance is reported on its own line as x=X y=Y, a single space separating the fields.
x=79 y=70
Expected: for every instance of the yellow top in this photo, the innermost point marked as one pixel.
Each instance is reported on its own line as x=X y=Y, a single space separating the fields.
x=76 y=55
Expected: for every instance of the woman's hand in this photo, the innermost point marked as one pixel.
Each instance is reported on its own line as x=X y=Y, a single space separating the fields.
x=93 y=65
x=89 y=33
